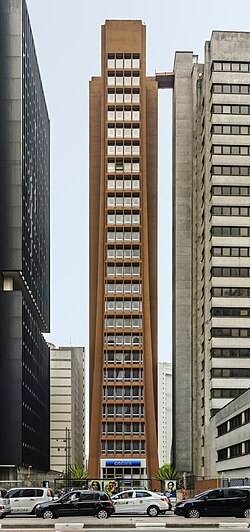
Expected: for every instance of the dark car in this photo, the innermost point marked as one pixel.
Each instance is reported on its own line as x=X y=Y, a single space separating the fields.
x=78 y=502
x=218 y=502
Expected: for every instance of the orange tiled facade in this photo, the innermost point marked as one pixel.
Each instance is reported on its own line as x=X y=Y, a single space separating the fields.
x=123 y=259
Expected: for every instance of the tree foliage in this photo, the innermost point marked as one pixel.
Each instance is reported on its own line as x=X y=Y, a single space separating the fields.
x=167 y=472
x=78 y=472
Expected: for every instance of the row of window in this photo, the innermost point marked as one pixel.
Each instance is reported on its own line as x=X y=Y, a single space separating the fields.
x=230 y=272
x=230 y=88
x=223 y=352
x=219 y=149
x=123 y=201
x=230 y=231
x=123 y=288
x=123 y=60
x=230 y=373
x=123 y=323
x=123 y=270
x=230 y=66
x=219 y=210
x=123 y=357
x=123 y=393
x=230 y=312
x=226 y=393
x=127 y=131
x=238 y=291
x=234 y=423
x=123 y=410
x=230 y=129
x=126 y=305
x=126 y=148
x=123 y=339
x=227 y=332
x=123 y=219
x=123 y=96
x=123 y=114
x=123 y=253
x=123 y=166
x=230 y=191
x=127 y=80
x=123 y=447
x=234 y=451
x=231 y=170
x=123 y=236
x=123 y=429
x=230 y=109
x=123 y=184
x=123 y=375
x=230 y=252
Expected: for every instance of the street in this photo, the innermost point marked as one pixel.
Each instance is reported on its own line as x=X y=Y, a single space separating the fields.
x=118 y=523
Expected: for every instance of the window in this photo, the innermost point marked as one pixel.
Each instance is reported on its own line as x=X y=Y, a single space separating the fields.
x=222 y=454
x=222 y=429
x=235 y=450
x=28 y=493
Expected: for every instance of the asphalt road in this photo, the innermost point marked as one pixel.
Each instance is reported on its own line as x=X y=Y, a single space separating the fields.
x=120 y=523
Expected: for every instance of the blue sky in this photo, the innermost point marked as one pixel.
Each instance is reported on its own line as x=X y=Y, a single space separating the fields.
x=67 y=37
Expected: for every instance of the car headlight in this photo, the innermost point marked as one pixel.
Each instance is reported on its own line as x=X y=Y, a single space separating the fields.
x=38 y=506
x=181 y=505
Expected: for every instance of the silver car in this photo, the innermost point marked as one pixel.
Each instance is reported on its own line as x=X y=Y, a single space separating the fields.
x=5 y=508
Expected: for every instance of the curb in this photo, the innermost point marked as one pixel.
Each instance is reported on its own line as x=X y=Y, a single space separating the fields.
x=68 y=526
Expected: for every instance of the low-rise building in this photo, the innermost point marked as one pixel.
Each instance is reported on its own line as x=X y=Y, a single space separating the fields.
x=231 y=442
x=67 y=407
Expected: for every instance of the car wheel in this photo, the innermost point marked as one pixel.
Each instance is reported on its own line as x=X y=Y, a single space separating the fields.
x=246 y=512
x=48 y=514
x=193 y=513
x=102 y=514
x=152 y=511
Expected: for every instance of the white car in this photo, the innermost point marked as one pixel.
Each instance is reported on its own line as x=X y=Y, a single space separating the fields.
x=4 y=507
x=140 y=502
x=25 y=500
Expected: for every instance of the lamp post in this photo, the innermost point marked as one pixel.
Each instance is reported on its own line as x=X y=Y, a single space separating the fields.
x=68 y=456
x=29 y=468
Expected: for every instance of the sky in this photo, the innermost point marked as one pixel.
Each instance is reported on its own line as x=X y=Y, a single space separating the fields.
x=67 y=38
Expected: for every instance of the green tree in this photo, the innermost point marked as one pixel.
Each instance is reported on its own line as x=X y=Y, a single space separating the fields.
x=167 y=472
x=78 y=472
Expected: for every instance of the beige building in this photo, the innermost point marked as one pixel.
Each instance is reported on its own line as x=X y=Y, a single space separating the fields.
x=211 y=244
x=165 y=412
x=67 y=407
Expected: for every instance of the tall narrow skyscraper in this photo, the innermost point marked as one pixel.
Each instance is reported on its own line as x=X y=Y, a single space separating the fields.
x=123 y=258
x=24 y=246
x=211 y=240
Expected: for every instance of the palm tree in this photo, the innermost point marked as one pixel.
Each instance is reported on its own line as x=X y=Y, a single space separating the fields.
x=78 y=472
x=167 y=472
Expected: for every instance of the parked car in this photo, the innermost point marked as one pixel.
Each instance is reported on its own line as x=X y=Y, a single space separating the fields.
x=78 y=502
x=140 y=502
x=25 y=500
x=217 y=502
x=5 y=508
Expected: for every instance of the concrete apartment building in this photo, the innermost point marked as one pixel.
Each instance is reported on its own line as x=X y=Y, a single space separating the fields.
x=165 y=412
x=24 y=249
x=230 y=451
x=123 y=258
x=211 y=244
x=67 y=407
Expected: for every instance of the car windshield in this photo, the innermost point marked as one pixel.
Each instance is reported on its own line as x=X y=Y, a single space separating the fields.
x=201 y=495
